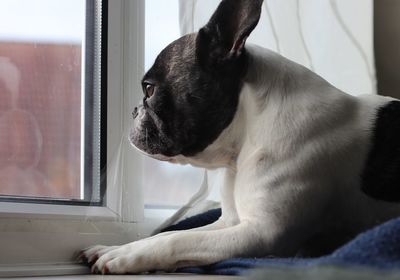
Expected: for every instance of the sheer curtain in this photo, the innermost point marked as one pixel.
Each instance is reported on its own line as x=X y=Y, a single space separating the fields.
x=334 y=38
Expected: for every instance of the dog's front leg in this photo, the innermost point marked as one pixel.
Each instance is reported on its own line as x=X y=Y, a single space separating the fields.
x=93 y=253
x=182 y=249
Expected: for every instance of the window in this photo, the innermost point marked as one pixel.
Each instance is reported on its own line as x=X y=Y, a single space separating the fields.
x=50 y=98
x=70 y=75
x=59 y=129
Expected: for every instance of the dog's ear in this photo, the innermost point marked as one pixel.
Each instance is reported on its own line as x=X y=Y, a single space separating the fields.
x=224 y=36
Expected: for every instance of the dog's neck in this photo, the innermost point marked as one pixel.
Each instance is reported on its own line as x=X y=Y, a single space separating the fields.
x=275 y=89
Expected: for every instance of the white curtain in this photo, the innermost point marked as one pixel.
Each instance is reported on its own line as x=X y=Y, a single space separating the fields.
x=334 y=38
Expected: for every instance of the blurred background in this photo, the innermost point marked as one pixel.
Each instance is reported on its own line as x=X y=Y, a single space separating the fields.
x=40 y=97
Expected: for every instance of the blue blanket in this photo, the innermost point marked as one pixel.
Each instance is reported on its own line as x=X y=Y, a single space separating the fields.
x=377 y=248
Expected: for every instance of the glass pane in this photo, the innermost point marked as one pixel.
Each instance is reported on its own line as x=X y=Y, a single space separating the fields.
x=174 y=184
x=40 y=97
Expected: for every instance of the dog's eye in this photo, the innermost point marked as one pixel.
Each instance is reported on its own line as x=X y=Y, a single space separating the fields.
x=148 y=90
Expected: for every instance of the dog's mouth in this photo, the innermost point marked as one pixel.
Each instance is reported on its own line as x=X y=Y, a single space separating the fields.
x=147 y=135
x=155 y=156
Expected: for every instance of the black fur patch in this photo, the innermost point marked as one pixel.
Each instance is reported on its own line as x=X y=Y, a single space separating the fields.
x=381 y=176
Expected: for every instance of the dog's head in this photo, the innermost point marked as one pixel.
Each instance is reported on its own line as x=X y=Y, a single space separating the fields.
x=191 y=92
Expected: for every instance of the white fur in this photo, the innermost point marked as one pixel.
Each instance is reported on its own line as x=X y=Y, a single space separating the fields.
x=293 y=156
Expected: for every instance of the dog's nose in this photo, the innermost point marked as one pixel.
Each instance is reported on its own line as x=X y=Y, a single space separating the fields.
x=135 y=113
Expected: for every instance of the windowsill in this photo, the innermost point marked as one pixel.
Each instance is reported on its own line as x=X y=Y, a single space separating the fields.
x=43 y=270
x=22 y=210
x=76 y=271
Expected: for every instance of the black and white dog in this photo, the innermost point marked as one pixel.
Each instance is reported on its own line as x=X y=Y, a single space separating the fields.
x=307 y=166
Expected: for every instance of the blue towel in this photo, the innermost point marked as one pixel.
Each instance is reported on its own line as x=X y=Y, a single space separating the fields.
x=377 y=248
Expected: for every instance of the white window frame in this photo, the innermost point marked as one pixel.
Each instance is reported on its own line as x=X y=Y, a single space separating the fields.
x=39 y=239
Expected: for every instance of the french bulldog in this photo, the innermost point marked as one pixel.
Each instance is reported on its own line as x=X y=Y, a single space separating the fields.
x=307 y=166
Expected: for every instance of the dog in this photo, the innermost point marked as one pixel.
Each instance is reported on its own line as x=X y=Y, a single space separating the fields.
x=307 y=166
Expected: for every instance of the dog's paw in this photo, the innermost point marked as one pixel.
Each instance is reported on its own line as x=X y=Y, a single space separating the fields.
x=122 y=260
x=92 y=254
x=136 y=257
